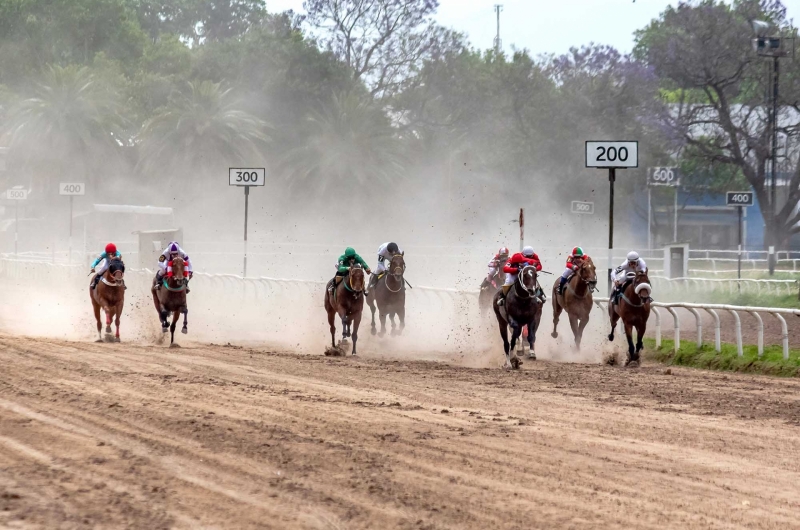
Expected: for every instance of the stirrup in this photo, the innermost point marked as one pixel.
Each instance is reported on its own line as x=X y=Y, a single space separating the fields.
x=501 y=302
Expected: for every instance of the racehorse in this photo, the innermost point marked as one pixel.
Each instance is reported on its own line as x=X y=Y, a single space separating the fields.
x=171 y=298
x=634 y=310
x=389 y=294
x=576 y=300
x=109 y=294
x=522 y=308
x=487 y=293
x=346 y=299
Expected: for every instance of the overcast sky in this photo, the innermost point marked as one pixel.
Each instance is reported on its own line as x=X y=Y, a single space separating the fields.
x=546 y=26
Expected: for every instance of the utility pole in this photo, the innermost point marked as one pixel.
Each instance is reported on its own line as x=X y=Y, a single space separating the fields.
x=498 y=43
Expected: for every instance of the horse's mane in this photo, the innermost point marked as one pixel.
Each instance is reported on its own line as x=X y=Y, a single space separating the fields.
x=116 y=264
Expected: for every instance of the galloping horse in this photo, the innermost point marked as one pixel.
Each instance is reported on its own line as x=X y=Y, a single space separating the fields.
x=346 y=299
x=110 y=296
x=522 y=308
x=171 y=298
x=389 y=294
x=634 y=310
x=576 y=300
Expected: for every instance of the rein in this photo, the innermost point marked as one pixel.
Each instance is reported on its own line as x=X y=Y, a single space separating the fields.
x=173 y=289
x=528 y=294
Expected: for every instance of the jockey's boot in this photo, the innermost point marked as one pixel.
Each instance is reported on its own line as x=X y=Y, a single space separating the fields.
x=502 y=300
x=540 y=294
x=485 y=284
x=157 y=283
x=561 y=285
x=95 y=280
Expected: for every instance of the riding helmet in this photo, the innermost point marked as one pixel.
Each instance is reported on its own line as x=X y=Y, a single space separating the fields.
x=392 y=248
x=111 y=248
x=349 y=252
x=577 y=251
x=527 y=252
x=503 y=252
x=633 y=256
x=173 y=247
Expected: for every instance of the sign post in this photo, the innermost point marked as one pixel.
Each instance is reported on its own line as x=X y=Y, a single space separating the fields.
x=613 y=156
x=661 y=176
x=581 y=209
x=71 y=189
x=739 y=199
x=16 y=194
x=246 y=178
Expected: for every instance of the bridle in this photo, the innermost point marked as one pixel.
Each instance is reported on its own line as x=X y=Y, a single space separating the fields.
x=396 y=271
x=349 y=284
x=525 y=271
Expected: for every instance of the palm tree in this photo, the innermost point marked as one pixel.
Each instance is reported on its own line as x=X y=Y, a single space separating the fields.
x=203 y=130
x=350 y=143
x=71 y=128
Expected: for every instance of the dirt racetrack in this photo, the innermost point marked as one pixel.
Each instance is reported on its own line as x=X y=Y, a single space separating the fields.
x=111 y=436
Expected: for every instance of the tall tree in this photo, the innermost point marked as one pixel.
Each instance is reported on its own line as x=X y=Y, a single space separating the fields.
x=714 y=86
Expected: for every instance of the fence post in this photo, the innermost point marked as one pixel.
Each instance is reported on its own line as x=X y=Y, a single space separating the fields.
x=677 y=327
x=784 y=335
x=717 y=327
x=699 y=323
x=658 y=327
x=739 y=351
x=760 y=332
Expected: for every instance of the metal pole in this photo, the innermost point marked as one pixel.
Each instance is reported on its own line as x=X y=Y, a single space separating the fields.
x=774 y=139
x=69 y=260
x=612 y=176
x=675 y=220
x=521 y=229
x=246 y=201
x=649 y=218
x=740 y=249
x=16 y=225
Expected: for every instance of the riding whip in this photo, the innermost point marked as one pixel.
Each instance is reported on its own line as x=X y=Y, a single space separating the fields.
x=409 y=285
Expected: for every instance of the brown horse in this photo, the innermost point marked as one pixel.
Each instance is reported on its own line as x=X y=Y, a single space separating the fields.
x=389 y=295
x=346 y=299
x=522 y=308
x=109 y=294
x=576 y=300
x=171 y=298
x=634 y=310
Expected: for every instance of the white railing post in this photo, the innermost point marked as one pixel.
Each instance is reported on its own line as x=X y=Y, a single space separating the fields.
x=760 y=332
x=784 y=335
x=717 y=330
x=739 y=350
x=699 y=324
x=658 y=327
x=677 y=327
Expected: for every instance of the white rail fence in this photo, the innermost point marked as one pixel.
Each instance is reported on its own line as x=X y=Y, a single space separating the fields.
x=713 y=310
x=729 y=285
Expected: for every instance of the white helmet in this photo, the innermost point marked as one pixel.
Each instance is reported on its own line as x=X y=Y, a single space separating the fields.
x=633 y=256
x=527 y=252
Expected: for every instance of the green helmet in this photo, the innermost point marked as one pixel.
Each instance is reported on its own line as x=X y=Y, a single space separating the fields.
x=350 y=252
x=577 y=251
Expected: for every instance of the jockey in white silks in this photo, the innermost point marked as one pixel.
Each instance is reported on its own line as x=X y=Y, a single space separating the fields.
x=172 y=251
x=634 y=264
x=385 y=253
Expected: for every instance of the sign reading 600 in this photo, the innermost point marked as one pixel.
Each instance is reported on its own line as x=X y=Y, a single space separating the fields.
x=663 y=176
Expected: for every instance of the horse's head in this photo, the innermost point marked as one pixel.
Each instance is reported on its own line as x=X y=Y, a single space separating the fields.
x=641 y=284
x=527 y=278
x=116 y=269
x=588 y=273
x=397 y=266
x=178 y=270
x=356 y=278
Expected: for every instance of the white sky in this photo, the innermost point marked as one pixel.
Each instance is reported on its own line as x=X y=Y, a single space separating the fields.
x=546 y=26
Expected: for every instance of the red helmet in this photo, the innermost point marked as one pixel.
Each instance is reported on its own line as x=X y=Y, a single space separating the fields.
x=111 y=248
x=503 y=252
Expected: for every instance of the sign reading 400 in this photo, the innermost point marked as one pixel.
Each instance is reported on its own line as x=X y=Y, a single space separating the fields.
x=255 y=176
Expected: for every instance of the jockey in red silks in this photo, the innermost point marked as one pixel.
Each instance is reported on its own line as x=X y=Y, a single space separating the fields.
x=574 y=261
x=496 y=265
x=514 y=265
x=172 y=251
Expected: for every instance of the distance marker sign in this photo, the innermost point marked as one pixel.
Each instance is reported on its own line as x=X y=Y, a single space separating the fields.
x=582 y=208
x=612 y=154
x=247 y=176
x=740 y=198
x=16 y=194
x=72 y=188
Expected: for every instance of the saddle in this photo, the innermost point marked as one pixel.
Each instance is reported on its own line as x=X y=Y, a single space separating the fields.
x=621 y=290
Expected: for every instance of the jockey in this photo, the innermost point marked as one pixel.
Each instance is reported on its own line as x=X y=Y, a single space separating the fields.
x=109 y=253
x=496 y=265
x=633 y=263
x=347 y=260
x=172 y=251
x=385 y=252
x=514 y=265
x=574 y=261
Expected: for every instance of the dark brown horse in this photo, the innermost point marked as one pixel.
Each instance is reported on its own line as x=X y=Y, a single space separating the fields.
x=171 y=298
x=634 y=310
x=346 y=299
x=110 y=296
x=389 y=295
x=522 y=308
x=576 y=300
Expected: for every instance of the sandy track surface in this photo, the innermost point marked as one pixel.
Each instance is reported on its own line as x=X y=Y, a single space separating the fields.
x=111 y=436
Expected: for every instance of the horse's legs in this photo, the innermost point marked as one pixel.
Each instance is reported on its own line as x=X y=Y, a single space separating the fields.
x=356 y=321
x=382 y=316
x=575 y=325
x=185 y=328
x=401 y=314
x=116 y=322
x=532 y=339
x=96 y=308
x=504 y=334
x=371 y=304
x=332 y=325
x=629 y=336
x=109 y=314
x=640 y=331
x=345 y=327
x=581 y=326
x=557 y=309
x=175 y=316
x=394 y=326
x=516 y=331
x=614 y=319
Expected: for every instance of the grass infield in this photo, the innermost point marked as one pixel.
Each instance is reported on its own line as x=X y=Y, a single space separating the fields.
x=770 y=363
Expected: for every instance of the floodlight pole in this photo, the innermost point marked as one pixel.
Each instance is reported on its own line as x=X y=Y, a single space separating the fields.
x=16 y=226
x=246 y=204
x=612 y=177
x=741 y=209
x=774 y=156
x=69 y=259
